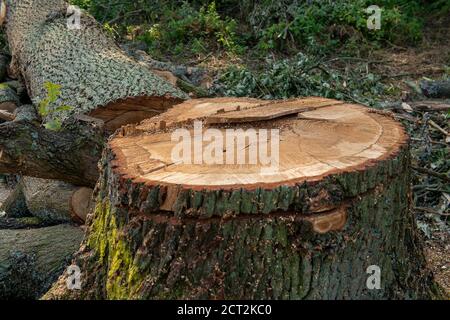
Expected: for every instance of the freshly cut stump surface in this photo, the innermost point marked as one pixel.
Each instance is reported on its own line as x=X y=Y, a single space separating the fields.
x=336 y=207
x=317 y=138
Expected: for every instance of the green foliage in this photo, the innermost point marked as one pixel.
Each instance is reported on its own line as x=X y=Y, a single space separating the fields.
x=53 y=93
x=197 y=31
x=313 y=26
x=323 y=25
x=300 y=76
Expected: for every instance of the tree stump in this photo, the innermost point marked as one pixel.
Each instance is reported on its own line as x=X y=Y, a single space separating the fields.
x=319 y=226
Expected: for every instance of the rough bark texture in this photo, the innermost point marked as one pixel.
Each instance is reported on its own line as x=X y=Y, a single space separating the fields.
x=14 y=205
x=70 y=155
x=56 y=201
x=310 y=239
x=8 y=98
x=278 y=256
x=30 y=260
x=23 y=223
x=93 y=72
x=102 y=87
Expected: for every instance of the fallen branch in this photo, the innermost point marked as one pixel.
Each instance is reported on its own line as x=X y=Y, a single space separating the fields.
x=430 y=105
x=70 y=154
x=438 y=127
x=432 y=173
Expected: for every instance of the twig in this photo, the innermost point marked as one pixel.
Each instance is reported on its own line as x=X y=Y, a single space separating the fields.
x=436 y=126
x=429 y=210
x=430 y=105
x=124 y=15
x=432 y=173
x=409 y=74
x=358 y=59
x=432 y=141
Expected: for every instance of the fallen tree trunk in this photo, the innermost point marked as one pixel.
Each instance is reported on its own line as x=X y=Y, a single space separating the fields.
x=95 y=75
x=30 y=260
x=9 y=99
x=56 y=201
x=70 y=155
x=335 y=207
x=23 y=223
x=87 y=84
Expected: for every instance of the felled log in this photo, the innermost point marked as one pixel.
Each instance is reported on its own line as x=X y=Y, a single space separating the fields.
x=31 y=260
x=308 y=226
x=436 y=89
x=70 y=155
x=98 y=89
x=6 y=116
x=19 y=89
x=431 y=105
x=95 y=75
x=56 y=201
x=23 y=223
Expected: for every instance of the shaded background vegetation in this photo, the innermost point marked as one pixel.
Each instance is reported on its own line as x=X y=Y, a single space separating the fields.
x=292 y=37
x=284 y=25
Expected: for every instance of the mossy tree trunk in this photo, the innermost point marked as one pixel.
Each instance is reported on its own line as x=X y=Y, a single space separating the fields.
x=312 y=237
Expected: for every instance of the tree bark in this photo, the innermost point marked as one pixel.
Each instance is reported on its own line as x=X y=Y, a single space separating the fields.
x=30 y=260
x=56 y=201
x=102 y=88
x=8 y=98
x=14 y=205
x=70 y=155
x=95 y=75
x=337 y=206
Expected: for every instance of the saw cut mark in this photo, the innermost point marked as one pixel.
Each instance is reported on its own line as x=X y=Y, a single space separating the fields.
x=276 y=110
